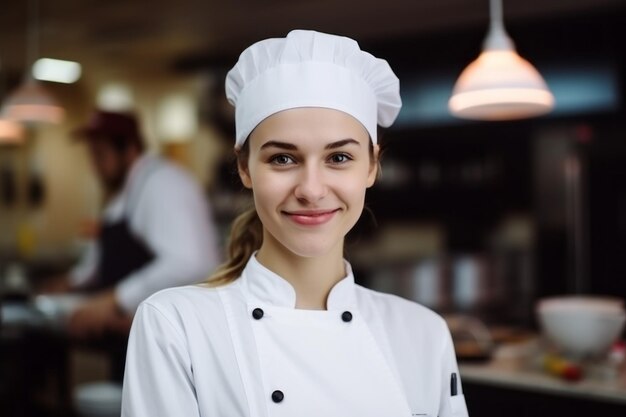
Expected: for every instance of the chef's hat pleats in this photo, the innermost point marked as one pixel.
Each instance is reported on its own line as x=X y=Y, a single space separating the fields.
x=311 y=69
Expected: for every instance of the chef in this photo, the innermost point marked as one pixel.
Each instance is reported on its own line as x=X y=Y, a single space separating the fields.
x=281 y=329
x=156 y=232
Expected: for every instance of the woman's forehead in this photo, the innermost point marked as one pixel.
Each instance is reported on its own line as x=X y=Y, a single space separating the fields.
x=309 y=127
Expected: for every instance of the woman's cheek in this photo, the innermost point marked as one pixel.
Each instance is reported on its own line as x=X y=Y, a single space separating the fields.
x=270 y=189
x=353 y=186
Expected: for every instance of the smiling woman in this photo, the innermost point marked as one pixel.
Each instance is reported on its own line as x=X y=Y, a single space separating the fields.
x=312 y=177
x=281 y=329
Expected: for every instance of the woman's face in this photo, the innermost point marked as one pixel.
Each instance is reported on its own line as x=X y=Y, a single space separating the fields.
x=308 y=169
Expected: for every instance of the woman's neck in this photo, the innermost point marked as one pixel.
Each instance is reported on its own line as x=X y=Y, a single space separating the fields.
x=311 y=277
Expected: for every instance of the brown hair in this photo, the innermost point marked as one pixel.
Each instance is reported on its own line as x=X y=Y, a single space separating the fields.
x=246 y=234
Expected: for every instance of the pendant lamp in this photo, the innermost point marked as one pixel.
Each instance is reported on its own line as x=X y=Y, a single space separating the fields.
x=11 y=132
x=30 y=102
x=499 y=84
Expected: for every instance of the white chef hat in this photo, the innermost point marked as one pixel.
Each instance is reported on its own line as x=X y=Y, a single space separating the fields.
x=311 y=69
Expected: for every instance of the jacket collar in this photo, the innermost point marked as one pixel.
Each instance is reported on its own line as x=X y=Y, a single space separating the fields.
x=262 y=286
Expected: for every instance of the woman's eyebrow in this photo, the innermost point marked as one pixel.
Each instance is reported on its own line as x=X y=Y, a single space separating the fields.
x=278 y=144
x=292 y=147
x=340 y=143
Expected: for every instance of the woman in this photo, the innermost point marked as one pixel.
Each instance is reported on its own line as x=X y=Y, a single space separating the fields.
x=282 y=329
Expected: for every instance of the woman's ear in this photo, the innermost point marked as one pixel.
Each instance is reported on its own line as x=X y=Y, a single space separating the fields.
x=374 y=166
x=244 y=174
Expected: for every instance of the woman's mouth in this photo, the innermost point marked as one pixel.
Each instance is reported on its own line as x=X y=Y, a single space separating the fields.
x=311 y=217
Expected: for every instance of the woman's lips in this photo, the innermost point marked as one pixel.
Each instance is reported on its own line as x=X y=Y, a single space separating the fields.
x=311 y=218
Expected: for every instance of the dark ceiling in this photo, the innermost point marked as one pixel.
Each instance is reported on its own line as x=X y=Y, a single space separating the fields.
x=120 y=37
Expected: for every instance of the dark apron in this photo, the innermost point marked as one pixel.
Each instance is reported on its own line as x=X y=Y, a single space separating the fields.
x=121 y=253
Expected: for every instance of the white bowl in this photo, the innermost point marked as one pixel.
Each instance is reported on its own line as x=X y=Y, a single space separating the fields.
x=582 y=326
x=582 y=302
x=99 y=399
x=58 y=307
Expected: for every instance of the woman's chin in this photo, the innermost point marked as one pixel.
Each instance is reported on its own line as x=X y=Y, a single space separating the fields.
x=311 y=249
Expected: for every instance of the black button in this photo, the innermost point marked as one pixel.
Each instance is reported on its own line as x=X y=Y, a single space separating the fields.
x=346 y=316
x=277 y=396
x=257 y=313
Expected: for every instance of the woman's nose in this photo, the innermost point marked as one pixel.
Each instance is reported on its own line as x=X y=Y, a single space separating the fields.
x=311 y=185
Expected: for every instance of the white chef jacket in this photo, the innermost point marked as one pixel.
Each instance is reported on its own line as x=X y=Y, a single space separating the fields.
x=167 y=211
x=244 y=350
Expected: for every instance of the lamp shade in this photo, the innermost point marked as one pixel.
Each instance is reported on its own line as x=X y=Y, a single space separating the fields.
x=500 y=85
x=11 y=133
x=31 y=103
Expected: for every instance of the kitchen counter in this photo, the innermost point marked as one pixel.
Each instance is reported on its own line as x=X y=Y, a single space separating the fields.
x=503 y=374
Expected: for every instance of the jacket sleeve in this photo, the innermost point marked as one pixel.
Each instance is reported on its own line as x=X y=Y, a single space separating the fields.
x=451 y=405
x=84 y=272
x=158 y=380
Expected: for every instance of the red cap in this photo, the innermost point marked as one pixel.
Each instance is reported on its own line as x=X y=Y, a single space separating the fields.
x=109 y=124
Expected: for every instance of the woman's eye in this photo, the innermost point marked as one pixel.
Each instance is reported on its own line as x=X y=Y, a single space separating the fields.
x=281 y=160
x=339 y=158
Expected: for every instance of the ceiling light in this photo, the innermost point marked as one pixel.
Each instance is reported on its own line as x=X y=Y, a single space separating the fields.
x=30 y=102
x=11 y=133
x=177 y=118
x=499 y=84
x=56 y=70
x=116 y=97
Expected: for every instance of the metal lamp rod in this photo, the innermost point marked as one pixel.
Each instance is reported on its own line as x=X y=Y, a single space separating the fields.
x=33 y=33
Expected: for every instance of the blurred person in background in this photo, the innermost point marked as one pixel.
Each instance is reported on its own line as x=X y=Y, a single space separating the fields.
x=155 y=232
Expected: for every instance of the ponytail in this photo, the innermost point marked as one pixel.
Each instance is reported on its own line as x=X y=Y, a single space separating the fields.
x=246 y=237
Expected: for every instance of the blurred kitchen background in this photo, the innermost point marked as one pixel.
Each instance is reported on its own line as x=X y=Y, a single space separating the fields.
x=478 y=220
